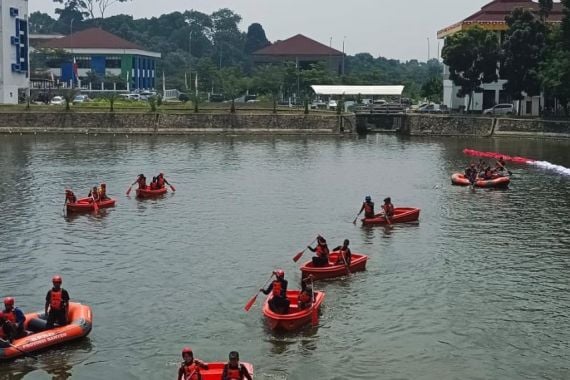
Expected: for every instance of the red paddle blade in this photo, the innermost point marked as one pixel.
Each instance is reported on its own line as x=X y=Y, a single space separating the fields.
x=298 y=256
x=129 y=191
x=250 y=303
x=315 y=316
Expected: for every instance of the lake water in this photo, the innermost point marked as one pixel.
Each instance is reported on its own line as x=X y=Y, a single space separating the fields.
x=478 y=289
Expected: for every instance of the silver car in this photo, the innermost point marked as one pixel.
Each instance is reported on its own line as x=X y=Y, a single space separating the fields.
x=500 y=109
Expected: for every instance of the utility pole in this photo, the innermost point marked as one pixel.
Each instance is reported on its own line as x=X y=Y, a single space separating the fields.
x=343 y=55
x=429 y=55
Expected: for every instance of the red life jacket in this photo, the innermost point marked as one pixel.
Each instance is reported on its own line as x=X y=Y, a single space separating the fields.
x=160 y=182
x=322 y=251
x=191 y=371
x=368 y=209
x=56 y=300
x=277 y=289
x=234 y=373
x=305 y=297
x=389 y=209
x=10 y=316
x=142 y=183
x=71 y=198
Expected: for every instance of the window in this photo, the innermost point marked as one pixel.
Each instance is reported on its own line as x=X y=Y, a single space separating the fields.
x=83 y=62
x=113 y=62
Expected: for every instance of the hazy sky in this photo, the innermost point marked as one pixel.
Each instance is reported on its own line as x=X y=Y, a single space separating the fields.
x=393 y=29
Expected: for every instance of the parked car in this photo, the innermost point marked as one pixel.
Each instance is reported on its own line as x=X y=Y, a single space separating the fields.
x=332 y=104
x=80 y=99
x=500 y=109
x=57 y=101
x=316 y=104
x=431 y=108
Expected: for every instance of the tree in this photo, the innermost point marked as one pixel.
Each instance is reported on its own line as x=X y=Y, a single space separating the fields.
x=566 y=23
x=232 y=83
x=255 y=39
x=523 y=52
x=472 y=57
x=268 y=80
x=433 y=89
x=89 y=8
x=555 y=69
x=545 y=8
x=41 y=23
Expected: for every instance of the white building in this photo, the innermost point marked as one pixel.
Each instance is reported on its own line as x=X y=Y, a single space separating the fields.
x=492 y=17
x=14 y=51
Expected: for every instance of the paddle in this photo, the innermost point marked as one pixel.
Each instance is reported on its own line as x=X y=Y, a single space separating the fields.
x=95 y=206
x=315 y=311
x=171 y=187
x=23 y=352
x=505 y=168
x=252 y=300
x=345 y=263
x=130 y=188
x=300 y=254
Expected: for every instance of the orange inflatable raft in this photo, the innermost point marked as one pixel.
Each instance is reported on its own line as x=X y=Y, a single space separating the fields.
x=459 y=179
x=401 y=215
x=357 y=264
x=148 y=193
x=296 y=317
x=216 y=369
x=86 y=205
x=80 y=320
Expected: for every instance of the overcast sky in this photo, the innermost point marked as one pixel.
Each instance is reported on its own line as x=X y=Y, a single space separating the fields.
x=393 y=29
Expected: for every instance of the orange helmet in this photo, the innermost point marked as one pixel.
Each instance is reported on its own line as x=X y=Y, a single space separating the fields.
x=187 y=351
x=56 y=280
x=9 y=301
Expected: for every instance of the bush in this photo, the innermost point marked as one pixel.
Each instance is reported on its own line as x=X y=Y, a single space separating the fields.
x=184 y=98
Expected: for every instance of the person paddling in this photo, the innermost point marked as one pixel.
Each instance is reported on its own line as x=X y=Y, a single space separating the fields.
x=322 y=252
x=234 y=370
x=14 y=317
x=344 y=253
x=190 y=367
x=141 y=182
x=103 y=192
x=306 y=296
x=367 y=207
x=278 y=303
x=161 y=181
x=94 y=194
x=388 y=208
x=57 y=304
x=70 y=197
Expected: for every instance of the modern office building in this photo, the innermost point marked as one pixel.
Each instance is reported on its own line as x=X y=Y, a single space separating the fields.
x=14 y=51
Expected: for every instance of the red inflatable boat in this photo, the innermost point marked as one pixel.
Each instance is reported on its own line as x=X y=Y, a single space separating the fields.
x=148 y=193
x=459 y=179
x=86 y=205
x=295 y=318
x=357 y=264
x=401 y=215
x=80 y=320
x=216 y=369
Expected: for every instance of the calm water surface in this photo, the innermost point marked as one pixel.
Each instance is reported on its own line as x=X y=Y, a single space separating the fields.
x=479 y=289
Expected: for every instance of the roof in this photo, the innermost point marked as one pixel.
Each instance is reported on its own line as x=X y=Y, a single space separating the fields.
x=296 y=46
x=358 y=90
x=92 y=38
x=492 y=15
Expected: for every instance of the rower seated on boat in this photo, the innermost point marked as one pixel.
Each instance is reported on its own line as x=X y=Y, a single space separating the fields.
x=12 y=321
x=305 y=299
x=388 y=207
x=322 y=252
x=70 y=197
x=344 y=253
x=162 y=182
x=278 y=288
x=94 y=194
x=488 y=174
x=154 y=184
x=103 y=192
x=190 y=367
x=234 y=370
x=141 y=182
x=367 y=207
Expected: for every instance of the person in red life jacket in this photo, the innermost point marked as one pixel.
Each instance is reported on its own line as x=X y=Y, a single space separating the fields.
x=234 y=370
x=306 y=296
x=388 y=208
x=344 y=253
x=94 y=194
x=141 y=182
x=154 y=184
x=15 y=317
x=278 y=288
x=7 y=331
x=367 y=207
x=488 y=175
x=70 y=197
x=322 y=251
x=103 y=192
x=161 y=181
x=190 y=367
x=57 y=304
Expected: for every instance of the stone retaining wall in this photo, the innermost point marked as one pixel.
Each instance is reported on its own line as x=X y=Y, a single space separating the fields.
x=169 y=123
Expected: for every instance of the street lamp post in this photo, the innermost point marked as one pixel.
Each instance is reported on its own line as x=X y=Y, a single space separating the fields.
x=190 y=59
x=343 y=40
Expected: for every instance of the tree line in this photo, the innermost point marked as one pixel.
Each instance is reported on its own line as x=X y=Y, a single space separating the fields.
x=213 y=47
x=533 y=56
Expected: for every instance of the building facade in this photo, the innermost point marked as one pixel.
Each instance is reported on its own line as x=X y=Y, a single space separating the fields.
x=14 y=51
x=492 y=17
x=95 y=51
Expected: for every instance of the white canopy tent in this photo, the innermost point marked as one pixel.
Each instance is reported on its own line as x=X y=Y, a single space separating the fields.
x=358 y=90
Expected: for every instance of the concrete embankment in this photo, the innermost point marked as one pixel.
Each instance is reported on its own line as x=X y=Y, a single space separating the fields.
x=172 y=123
x=454 y=125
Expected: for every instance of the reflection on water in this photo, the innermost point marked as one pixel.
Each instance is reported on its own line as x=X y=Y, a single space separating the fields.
x=479 y=288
